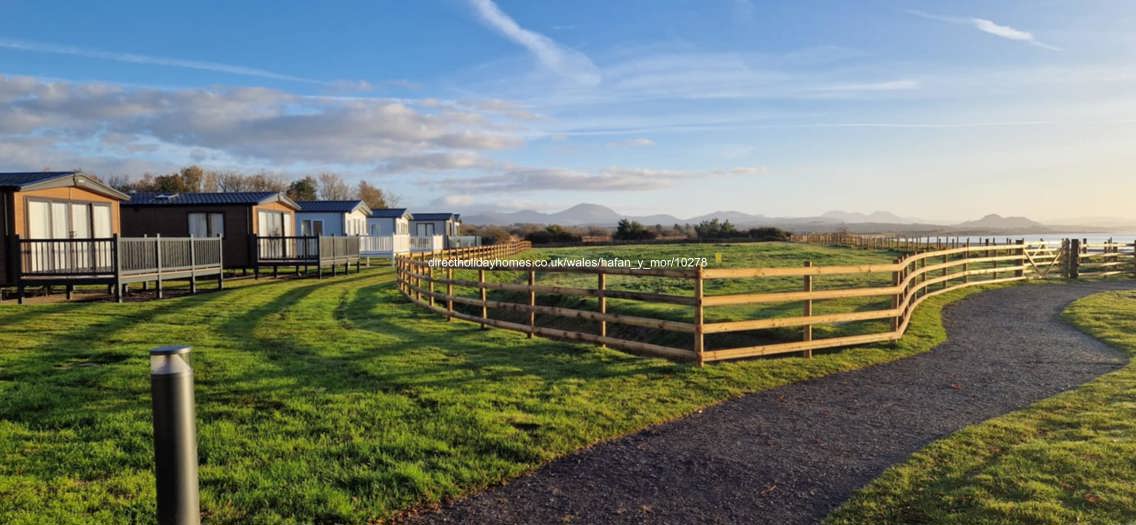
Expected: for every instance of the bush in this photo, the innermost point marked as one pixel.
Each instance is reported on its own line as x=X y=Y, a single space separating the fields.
x=553 y=233
x=769 y=233
x=714 y=229
x=629 y=230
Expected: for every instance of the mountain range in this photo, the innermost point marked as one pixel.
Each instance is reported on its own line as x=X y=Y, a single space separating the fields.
x=597 y=215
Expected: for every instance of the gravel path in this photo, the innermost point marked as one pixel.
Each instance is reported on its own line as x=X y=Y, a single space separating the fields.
x=792 y=454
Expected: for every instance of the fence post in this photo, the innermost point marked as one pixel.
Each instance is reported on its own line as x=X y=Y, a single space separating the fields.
x=808 y=310
x=1075 y=259
x=532 y=302
x=601 y=287
x=192 y=266
x=449 y=294
x=966 y=263
x=220 y=262
x=1021 y=272
x=116 y=253
x=699 y=317
x=484 y=298
x=175 y=436
x=430 y=283
x=897 y=299
x=1133 y=258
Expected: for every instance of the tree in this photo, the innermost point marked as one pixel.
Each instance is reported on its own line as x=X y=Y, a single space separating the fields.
x=264 y=181
x=713 y=229
x=332 y=188
x=230 y=181
x=629 y=230
x=553 y=233
x=768 y=233
x=372 y=195
x=304 y=189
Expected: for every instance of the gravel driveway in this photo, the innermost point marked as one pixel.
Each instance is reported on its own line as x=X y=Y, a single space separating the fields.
x=792 y=454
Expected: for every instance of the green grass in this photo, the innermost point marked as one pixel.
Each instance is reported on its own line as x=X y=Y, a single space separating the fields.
x=329 y=401
x=1067 y=459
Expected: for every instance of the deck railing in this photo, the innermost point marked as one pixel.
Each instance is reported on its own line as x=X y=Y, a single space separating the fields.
x=117 y=261
x=710 y=314
x=384 y=245
x=427 y=243
x=306 y=251
x=462 y=241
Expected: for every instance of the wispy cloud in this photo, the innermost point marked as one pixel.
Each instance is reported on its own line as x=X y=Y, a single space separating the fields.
x=136 y=58
x=525 y=179
x=640 y=142
x=987 y=26
x=564 y=61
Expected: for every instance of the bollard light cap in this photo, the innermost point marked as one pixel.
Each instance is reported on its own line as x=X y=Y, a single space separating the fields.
x=169 y=360
x=170 y=350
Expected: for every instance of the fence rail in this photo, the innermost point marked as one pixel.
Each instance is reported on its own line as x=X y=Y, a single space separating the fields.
x=880 y=301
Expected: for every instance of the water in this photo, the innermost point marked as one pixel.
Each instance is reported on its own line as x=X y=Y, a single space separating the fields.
x=1123 y=238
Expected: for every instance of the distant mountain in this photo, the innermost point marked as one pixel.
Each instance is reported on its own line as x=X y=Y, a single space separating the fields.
x=876 y=216
x=879 y=221
x=995 y=222
x=735 y=217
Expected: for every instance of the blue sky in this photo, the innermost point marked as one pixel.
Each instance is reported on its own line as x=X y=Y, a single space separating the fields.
x=938 y=110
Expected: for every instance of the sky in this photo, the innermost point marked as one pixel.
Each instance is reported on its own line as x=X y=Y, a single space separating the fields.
x=936 y=110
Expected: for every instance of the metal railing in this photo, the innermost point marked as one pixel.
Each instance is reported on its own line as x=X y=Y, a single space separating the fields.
x=384 y=245
x=116 y=256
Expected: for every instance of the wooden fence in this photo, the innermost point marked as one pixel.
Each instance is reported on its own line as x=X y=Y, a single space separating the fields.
x=814 y=315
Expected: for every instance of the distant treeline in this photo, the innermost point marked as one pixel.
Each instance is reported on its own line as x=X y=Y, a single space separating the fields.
x=192 y=179
x=626 y=230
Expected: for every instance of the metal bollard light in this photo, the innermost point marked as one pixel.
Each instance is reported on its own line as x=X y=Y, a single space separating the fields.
x=175 y=436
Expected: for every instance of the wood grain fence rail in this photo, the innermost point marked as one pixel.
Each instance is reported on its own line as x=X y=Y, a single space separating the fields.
x=881 y=302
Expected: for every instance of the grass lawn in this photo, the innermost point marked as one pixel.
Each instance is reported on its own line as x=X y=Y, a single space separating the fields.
x=329 y=401
x=1067 y=459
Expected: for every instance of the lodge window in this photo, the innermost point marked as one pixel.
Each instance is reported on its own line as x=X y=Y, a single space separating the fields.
x=51 y=219
x=424 y=230
x=206 y=224
x=311 y=227
x=271 y=224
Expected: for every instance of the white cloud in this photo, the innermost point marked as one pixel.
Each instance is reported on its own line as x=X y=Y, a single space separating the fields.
x=987 y=26
x=641 y=142
x=260 y=126
x=564 y=61
x=136 y=58
x=889 y=85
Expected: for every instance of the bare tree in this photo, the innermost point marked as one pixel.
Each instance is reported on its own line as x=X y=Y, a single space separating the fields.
x=332 y=187
x=230 y=181
x=264 y=181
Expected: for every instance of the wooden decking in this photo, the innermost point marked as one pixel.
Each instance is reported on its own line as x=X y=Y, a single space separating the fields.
x=306 y=253
x=117 y=262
